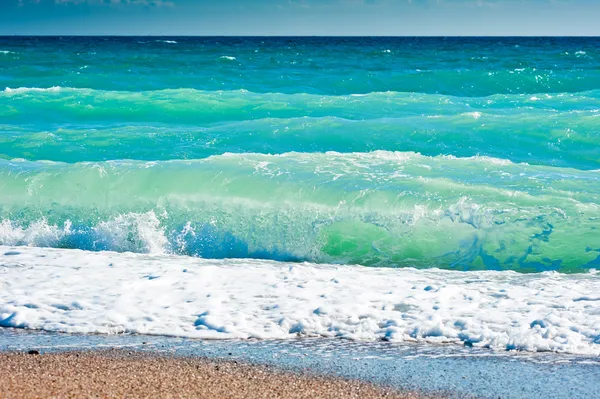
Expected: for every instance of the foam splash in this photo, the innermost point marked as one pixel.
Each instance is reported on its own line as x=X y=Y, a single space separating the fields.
x=131 y=232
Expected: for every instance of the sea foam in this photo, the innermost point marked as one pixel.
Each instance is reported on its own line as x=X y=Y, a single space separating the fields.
x=21 y=90
x=81 y=292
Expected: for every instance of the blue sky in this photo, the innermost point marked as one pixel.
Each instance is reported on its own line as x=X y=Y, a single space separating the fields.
x=300 y=17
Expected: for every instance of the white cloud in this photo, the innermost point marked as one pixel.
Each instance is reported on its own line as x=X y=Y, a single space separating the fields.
x=22 y=2
x=149 y=3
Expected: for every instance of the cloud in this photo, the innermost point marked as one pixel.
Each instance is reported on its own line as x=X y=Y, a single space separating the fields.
x=21 y=3
x=147 y=3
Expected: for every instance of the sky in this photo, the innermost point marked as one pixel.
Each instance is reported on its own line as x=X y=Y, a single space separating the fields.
x=301 y=17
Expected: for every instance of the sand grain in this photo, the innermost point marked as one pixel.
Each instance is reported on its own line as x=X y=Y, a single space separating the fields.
x=141 y=375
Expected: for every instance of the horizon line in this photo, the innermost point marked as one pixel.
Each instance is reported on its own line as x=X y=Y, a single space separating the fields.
x=301 y=36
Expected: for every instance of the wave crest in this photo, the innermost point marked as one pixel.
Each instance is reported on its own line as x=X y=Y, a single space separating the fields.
x=381 y=208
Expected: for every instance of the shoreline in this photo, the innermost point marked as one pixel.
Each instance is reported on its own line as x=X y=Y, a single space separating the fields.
x=427 y=370
x=120 y=373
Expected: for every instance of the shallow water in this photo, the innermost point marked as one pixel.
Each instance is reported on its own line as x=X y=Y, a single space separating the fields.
x=429 y=369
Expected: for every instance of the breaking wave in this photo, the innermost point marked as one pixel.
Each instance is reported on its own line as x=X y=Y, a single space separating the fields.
x=380 y=208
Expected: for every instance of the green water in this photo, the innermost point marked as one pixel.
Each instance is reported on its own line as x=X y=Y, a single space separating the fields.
x=453 y=153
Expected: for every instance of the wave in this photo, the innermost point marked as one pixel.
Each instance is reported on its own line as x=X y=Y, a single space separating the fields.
x=192 y=124
x=190 y=106
x=172 y=66
x=380 y=209
x=567 y=139
x=503 y=99
x=469 y=67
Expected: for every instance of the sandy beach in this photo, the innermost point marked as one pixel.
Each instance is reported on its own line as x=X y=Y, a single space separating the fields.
x=118 y=373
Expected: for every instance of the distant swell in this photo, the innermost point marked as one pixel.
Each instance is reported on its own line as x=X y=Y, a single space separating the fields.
x=557 y=130
x=464 y=67
x=198 y=107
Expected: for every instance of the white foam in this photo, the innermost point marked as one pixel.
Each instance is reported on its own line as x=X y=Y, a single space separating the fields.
x=6 y=52
x=132 y=232
x=107 y=292
x=227 y=57
x=20 y=90
x=474 y=115
x=39 y=233
x=381 y=155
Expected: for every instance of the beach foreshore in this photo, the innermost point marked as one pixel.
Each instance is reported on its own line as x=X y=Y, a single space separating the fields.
x=303 y=365
x=124 y=373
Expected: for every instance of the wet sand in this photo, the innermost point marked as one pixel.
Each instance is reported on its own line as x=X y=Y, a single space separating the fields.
x=119 y=373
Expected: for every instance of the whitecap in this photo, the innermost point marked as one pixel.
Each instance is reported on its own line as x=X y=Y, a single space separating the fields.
x=19 y=90
x=474 y=115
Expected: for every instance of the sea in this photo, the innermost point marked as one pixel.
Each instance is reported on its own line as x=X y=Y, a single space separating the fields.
x=443 y=191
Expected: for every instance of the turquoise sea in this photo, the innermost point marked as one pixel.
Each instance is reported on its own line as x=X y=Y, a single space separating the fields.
x=416 y=190
x=456 y=153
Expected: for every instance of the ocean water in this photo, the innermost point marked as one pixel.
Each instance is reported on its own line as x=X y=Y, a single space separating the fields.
x=408 y=158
